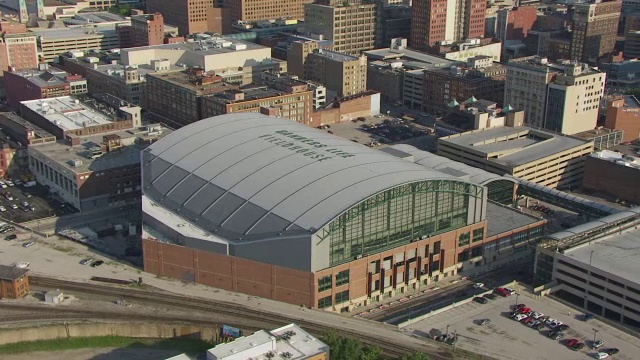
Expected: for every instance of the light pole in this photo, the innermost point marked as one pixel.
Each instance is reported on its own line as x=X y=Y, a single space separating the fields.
x=447 y=332
x=595 y=332
x=517 y=295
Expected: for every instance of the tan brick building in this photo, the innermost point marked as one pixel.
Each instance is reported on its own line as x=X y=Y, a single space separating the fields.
x=18 y=48
x=343 y=74
x=595 y=26
x=189 y=16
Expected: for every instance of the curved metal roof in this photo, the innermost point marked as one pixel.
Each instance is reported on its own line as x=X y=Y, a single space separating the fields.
x=583 y=228
x=448 y=166
x=248 y=175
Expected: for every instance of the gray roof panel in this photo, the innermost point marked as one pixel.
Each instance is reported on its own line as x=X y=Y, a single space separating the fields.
x=289 y=176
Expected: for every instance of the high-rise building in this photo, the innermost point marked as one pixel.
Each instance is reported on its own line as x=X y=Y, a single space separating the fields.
x=336 y=22
x=189 y=16
x=343 y=74
x=595 y=26
x=515 y=23
x=256 y=10
x=18 y=48
x=562 y=97
x=147 y=29
x=435 y=21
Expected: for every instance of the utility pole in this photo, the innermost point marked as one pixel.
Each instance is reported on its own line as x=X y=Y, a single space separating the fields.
x=595 y=332
x=447 y=332
x=455 y=339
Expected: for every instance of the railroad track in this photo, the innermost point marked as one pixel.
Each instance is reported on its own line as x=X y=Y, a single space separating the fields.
x=247 y=315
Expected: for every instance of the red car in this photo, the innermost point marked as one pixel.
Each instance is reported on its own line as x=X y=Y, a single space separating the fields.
x=519 y=306
x=525 y=310
x=571 y=342
x=527 y=320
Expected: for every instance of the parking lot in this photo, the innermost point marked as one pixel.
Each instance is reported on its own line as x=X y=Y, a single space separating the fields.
x=12 y=199
x=505 y=338
x=381 y=130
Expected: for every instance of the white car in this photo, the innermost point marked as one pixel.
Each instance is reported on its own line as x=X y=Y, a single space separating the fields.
x=3 y=209
x=602 y=355
x=22 y=265
x=520 y=317
x=9 y=183
x=478 y=285
x=536 y=315
x=510 y=290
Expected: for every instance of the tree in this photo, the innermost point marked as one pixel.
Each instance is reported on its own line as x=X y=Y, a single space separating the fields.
x=415 y=356
x=342 y=348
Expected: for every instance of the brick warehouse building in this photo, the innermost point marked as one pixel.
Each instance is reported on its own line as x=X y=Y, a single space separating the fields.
x=14 y=282
x=272 y=208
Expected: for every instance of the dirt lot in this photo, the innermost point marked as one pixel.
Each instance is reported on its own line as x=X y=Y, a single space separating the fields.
x=505 y=338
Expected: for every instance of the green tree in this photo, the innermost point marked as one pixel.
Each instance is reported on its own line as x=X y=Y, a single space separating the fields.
x=415 y=356
x=349 y=349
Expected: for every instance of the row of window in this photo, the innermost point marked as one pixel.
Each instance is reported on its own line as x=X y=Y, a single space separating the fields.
x=326 y=283
x=340 y=297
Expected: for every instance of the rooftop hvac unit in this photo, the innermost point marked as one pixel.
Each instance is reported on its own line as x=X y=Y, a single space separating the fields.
x=75 y=163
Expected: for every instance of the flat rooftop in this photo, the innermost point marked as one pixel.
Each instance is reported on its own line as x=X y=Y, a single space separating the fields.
x=44 y=78
x=291 y=339
x=262 y=92
x=182 y=79
x=407 y=54
x=593 y=133
x=513 y=146
x=75 y=32
x=68 y=113
x=502 y=219
x=210 y=46
x=616 y=254
x=334 y=55
x=631 y=101
x=129 y=154
x=39 y=132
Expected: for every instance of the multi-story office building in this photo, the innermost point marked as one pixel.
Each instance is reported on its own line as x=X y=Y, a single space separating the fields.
x=541 y=157
x=55 y=42
x=41 y=84
x=479 y=77
x=290 y=99
x=94 y=171
x=623 y=114
x=18 y=49
x=613 y=173
x=236 y=61
x=342 y=74
x=189 y=16
x=353 y=27
x=594 y=266
x=297 y=215
x=515 y=23
x=173 y=97
x=595 y=26
x=632 y=45
x=68 y=118
x=144 y=30
x=297 y=53
x=436 y=21
x=256 y=10
x=395 y=23
x=622 y=74
x=562 y=97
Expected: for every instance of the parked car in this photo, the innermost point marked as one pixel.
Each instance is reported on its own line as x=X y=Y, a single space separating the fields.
x=480 y=300
x=571 y=342
x=537 y=315
x=601 y=355
x=11 y=237
x=587 y=317
x=9 y=183
x=509 y=290
x=28 y=244
x=6 y=228
x=22 y=265
x=3 y=209
x=519 y=306
x=24 y=203
x=562 y=327
x=85 y=261
x=478 y=285
x=97 y=263
x=539 y=327
x=578 y=346
x=520 y=317
x=484 y=322
x=612 y=351
x=14 y=206
x=598 y=344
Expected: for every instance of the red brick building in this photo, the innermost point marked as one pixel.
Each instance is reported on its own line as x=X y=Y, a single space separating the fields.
x=145 y=30
x=515 y=24
x=18 y=49
x=14 y=282
x=431 y=24
x=624 y=114
x=41 y=84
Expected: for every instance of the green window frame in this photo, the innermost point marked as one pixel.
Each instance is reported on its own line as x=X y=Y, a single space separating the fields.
x=325 y=283
x=342 y=277
x=325 y=302
x=478 y=235
x=463 y=239
x=342 y=296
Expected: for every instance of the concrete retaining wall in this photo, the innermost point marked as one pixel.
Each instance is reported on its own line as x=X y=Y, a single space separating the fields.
x=134 y=330
x=448 y=307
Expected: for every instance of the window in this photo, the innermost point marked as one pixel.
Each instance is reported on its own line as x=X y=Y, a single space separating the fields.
x=324 y=283
x=463 y=239
x=342 y=296
x=324 y=302
x=478 y=234
x=342 y=277
x=620 y=285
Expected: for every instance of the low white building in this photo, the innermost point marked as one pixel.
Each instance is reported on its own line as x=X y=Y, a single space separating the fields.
x=53 y=297
x=289 y=342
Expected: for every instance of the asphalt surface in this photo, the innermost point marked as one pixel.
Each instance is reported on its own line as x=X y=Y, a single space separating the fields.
x=440 y=298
